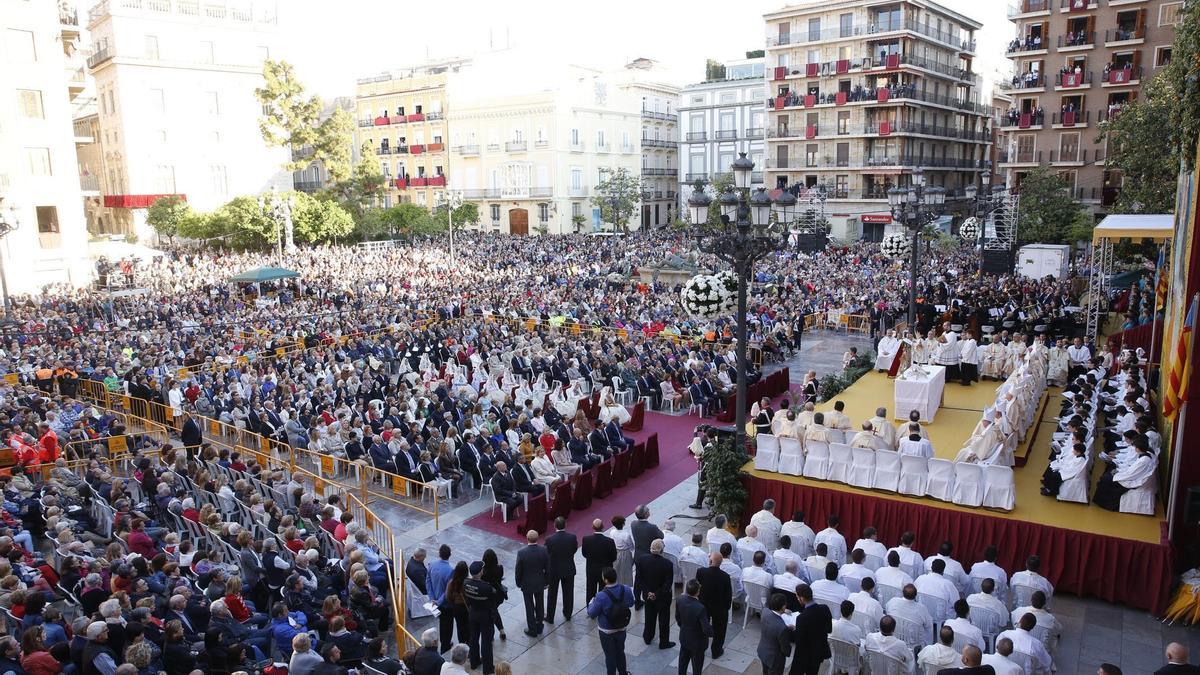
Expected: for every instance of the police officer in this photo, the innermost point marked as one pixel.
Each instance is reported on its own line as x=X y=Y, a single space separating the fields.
x=482 y=598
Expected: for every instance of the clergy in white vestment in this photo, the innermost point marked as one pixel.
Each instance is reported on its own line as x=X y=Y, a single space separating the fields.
x=1024 y=641
x=866 y=604
x=934 y=583
x=868 y=439
x=719 y=535
x=835 y=543
x=907 y=607
x=790 y=578
x=982 y=446
x=836 y=419
x=672 y=543
x=695 y=552
x=914 y=444
x=768 y=525
x=1139 y=473
x=903 y=429
x=871 y=546
x=992 y=364
x=988 y=569
x=845 y=630
x=885 y=642
x=817 y=431
x=883 y=427
x=961 y=624
x=788 y=427
x=612 y=410
x=886 y=351
x=805 y=418
x=940 y=654
x=968 y=354
x=799 y=534
x=1000 y=660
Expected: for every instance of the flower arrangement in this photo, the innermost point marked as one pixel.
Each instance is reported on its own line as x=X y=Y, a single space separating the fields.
x=710 y=295
x=969 y=230
x=895 y=245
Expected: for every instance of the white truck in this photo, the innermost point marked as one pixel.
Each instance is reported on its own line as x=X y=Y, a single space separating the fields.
x=1039 y=261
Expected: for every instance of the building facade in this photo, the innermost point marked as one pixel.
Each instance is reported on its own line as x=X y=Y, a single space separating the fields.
x=718 y=120
x=402 y=118
x=1076 y=63
x=175 y=83
x=862 y=94
x=315 y=176
x=41 y=76
x=658 y=141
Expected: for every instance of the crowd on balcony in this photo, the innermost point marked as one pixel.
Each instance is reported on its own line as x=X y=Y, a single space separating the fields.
x=1030 y=79
x=1078 y=38
x=1030 y=43
x=1037 y=116
x=857 y=93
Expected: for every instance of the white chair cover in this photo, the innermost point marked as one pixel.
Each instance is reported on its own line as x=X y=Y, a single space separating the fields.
x=862 y=468
x=887 y=469
x=968 y=484
x=766 y=456
x=1141 y=500
x=849 y=436
x=841 y=457
x=816 y=461
x=791 y=457
x=914 y=475
x=835 y=435
x=940 y=483
x=1000 y=488
x=1075 y=489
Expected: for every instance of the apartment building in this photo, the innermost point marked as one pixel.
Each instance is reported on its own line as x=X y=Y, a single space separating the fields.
x=659 y=140
x=402 y=116
x=719 y=119
x=1076 y=63
x=175 y=83
x=531 y=144
x=41 y=76
x=861 y=94
x=315 y=176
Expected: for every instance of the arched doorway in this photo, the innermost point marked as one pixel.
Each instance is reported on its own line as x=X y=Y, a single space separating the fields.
x=518 y=221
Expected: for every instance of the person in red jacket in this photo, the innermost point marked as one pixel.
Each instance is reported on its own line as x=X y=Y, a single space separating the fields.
x=140 y=542
x=241 y=610
x=47 y=444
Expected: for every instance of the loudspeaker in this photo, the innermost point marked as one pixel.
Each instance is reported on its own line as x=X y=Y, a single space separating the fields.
x=997 y=262
x=810 y=243
x=1191 y=508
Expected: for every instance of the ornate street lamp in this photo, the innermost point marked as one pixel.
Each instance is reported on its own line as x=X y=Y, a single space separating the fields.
x=981 y=205
x=915 y=207
x=747 y=231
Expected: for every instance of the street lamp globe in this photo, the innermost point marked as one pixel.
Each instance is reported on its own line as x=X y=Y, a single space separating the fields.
x=729 y=206
x=935 y=196
x=698 y=204
x=742 y=169
x=918 y=176
x=785 y=208
x=986 y=177
x=760 y=209
x=896 y=196
x=970 y=192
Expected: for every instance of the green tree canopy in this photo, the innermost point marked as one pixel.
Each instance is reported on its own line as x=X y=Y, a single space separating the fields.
x=167 y=214
x=319 y=220
x=361 y=191
x=292 y=119
x=1047 y=212
x=466 y=213
x=401 y=220
x=617 y=197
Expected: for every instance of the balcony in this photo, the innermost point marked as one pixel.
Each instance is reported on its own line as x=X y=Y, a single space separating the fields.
x=603 y=147
x=433 y=116
x=541 y=192
x=1078 y=5
x=83 y=132
x=417 y=148
x=400 y=183
x=95 y=60
x=867 y=95
x=577 y=192
x=756 y=178
x=516 y=146
x=419 y=181
x=1121 y=77
x=647 y=195
x=657 y=143
x=90 y=183
x=308 y=186
x=488 y=193
x=1121 y=37
x=467 y=150
x=541 y=144
x=576 y=146
x=654 y=171
x=493 y=147
x=695 y=177
x=1021 y=157
x=366 y=123
x=415 y=117
x=869 y=29
x=383 y=150
x=1028 y=8
x=435 y=147
x=628 y=148
x=1028 y=47
x=696 y=136
x=725 y=134
x=656 y=115
x=754 y=133
x=1078 y=157
x=437 y=181
x=1071 y=120
x=889 y=128
x=671 y=193
x=1027 y=120
x=1080 y=80
x=400 y=150
x=1026 y=82
x=1081 y=41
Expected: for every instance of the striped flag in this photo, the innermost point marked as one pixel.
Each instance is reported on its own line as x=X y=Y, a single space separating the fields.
x=1164 y=274
x=1177 y=378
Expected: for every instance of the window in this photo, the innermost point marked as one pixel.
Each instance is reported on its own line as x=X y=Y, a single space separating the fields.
x=541 y=134
x=216 y=137
x=21 y=47
x=843 y=154
x=1162 y=57
x=574 y=137
x=112 y=106
x=158 y=100
x=600 y=138
x=696 y=122
x=162 y=136
x=518 y=135
x=214 y=103
x=576 y=209
x=576 y=179
x=843 y=122
x=727 y=97
x=810 y=154
x=386 y=168
x=47 y=217
x=543 y=212
x=30 y=101
x=845 y=25
x=625 y=140
x=152 y=47
x=220 y=179
x=1168 y=14
x=814 y=30
x=1068 y=147
x=206 y=54
x=495 y=208
x=600 y=174
x=698 y=100
x=38 y=160
x=841 y=187
x=420 y=197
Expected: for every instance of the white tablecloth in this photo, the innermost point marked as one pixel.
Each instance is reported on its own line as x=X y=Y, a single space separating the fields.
x=923 y=394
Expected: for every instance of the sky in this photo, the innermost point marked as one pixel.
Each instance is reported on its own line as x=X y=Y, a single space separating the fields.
x=333 y=44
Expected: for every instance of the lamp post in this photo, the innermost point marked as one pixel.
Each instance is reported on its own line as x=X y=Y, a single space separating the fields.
x=982 y=205
x=914 y=207
x=742 y=236
x=8 y=223
x=453 y=200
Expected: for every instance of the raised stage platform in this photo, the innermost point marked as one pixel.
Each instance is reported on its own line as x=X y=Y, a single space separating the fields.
x=1085 y=550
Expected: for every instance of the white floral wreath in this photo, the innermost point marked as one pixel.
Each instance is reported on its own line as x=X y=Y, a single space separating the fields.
x=895 y=245
x=710 y=295
x=969 y=230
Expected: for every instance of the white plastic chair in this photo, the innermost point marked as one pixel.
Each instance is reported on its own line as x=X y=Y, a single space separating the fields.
x=674 y=564
x=968 y=484
x=500 y=505
x=940 y=480
x=999 y=488
x=872 y=562
x=988 y=622
x=910 y=632
x=865 y=622
x=835 y=435
x=887 y=469
x=1022 y=596
x=841 y=458
x=791 y=457
x=862 y=467
x=756 y=599
x=845 y=657
x=1022 y=659
x=886 y=593
x=914 y=475
x=938 y=607
x=670 y=397
x=766 y=456
x=688 y=569
x=620 y=393
x=816 y=461
x=879 y=663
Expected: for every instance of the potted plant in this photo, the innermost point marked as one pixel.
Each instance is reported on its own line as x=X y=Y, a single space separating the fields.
x=724 y=490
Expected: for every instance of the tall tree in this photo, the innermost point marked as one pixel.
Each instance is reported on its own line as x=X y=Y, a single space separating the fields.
x=407 y=220
x=617 y=197
x=243 y=224
x=1146 y=155
x=292 y=119
x=466 y=213
x=319 y=220
x=1047 y=213
x=166 y=215
x=363 y=189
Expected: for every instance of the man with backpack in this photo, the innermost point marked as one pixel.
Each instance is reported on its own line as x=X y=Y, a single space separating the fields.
x=612 y=609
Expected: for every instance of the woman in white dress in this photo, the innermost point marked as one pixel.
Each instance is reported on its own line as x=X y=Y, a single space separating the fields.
x=524 y=393
x=562 y=460
x=563 y=404
x=540 y=389
x=544 y=472
x=611 y=410
x=624 y=540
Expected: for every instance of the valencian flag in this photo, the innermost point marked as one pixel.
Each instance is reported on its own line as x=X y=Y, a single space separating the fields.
x=1164 y=274
x=1177 y=378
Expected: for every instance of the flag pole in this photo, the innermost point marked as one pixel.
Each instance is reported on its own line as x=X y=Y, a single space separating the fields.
x=1175 y=454
x=1162 y=252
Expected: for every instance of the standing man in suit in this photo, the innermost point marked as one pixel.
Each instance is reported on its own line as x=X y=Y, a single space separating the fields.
x=811 y=634
x=531 y=576
x=656 y=575
x=716 y=594
x=643 y=532
x=694 y=628
x=599 y=552
x=1177 y=662
x=561 y=547
x=775 y=639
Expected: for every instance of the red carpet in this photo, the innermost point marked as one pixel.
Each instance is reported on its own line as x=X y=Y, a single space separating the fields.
x=675 y=465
